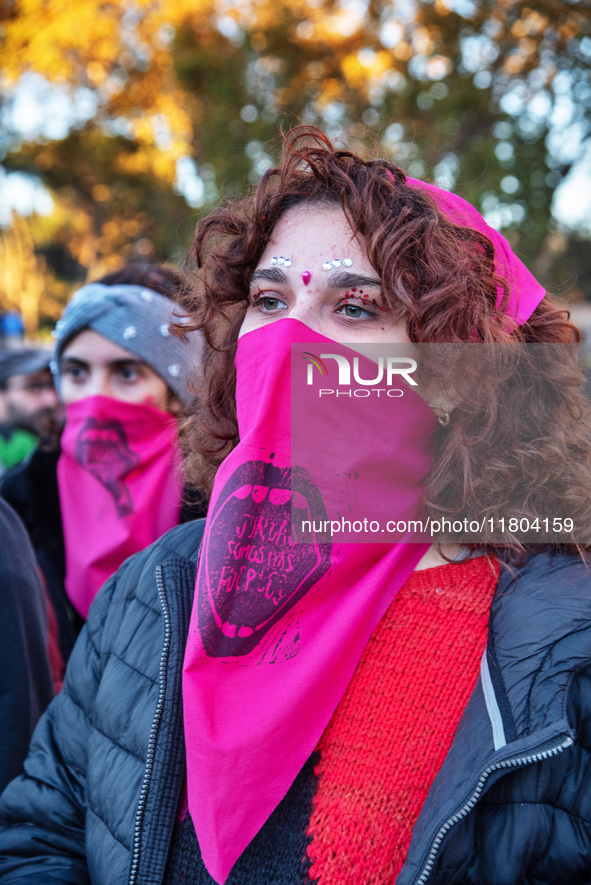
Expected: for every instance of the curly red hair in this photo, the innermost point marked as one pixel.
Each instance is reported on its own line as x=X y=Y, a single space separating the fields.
x=439 y=278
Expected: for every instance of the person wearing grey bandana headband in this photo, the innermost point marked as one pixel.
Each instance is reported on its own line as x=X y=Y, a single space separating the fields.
x=114 y=346
x=137 y=319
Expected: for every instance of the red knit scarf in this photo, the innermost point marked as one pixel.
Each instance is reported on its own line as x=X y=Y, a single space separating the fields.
x=394 y=726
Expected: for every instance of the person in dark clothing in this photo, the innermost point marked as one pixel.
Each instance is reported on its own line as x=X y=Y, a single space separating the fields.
x=31 y=490
x=25 y=675
x=96 y=372
x=260 y=699
x=29 y=407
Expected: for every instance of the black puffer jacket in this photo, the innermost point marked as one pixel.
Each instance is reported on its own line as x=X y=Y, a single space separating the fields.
x=25 y=676
x=31 y=489
x=511 y=805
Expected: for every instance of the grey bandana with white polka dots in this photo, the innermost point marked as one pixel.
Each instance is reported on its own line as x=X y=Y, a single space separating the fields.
x=139 y=320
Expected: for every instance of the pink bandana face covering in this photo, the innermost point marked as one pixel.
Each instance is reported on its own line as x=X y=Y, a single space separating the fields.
x=279 y=623
x=120 y=488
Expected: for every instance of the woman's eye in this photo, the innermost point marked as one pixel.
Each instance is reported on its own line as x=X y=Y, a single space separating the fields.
x=128 y=374
x=268 y=303
x=74 y=373
x=355 y=312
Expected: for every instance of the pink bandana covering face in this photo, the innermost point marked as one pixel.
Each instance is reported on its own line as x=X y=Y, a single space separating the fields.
x=279 y=625
x=119 y=485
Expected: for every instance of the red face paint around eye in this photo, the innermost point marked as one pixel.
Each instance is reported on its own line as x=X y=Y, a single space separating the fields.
x=365 y=300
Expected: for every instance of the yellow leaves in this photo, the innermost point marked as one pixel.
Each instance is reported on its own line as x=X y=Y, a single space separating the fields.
x=531 y=22
x=177 y=107
x=43 y=160
x=127 y=227
x=527 y=47
x=120 y=239
x=96 y=72
x=57 y=39
x=421 y=41
x=162 y=133
x=258 y=41
x=402 y=51
x=568 y=30
x=354 y=72
x=259 y=17
x=164 y=167
x=149 y=159
x=82 y=42
x=313 y=70
x=514 y=63
x=71 y=226
x=331 y=89
x=441 y=7
x=101 y=193
x=360 y=68
x=24 y=276
x=143 y=130
x=21 y=273
x=331 y=29
x=517 y=61
x=123 y=53
x=138 y=163
x=438 y=67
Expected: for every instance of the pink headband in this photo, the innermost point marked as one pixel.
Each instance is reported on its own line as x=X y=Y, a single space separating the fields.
x=525 y=293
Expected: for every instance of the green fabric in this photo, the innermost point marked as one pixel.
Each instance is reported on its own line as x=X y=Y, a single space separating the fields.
x=16 y=447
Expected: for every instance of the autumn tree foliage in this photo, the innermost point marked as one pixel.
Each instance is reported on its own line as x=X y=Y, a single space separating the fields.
x=169 y=105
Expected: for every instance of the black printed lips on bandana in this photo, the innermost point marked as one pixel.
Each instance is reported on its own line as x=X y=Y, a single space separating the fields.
x=250 y=583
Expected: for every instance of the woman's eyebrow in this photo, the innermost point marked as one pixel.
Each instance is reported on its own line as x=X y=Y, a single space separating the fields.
x=271 y=274
x=126 y=362
x=338 y=279
x=342 y=279
x=118 y=363
x=70 y=360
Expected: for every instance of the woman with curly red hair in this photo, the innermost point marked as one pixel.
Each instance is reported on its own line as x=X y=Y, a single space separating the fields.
x=269 y=699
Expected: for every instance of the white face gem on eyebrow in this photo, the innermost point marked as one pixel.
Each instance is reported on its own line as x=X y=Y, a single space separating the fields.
x=337 y=262
x=286 y=262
